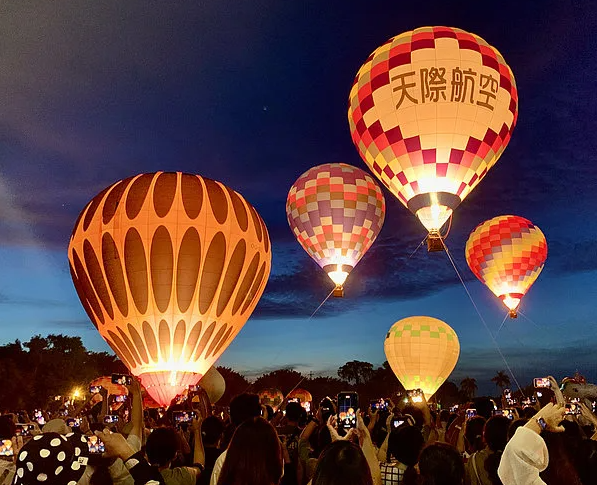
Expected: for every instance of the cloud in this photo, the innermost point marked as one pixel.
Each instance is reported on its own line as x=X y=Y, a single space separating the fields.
x=31 y=302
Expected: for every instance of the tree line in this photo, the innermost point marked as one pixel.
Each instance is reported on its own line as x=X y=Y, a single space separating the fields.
x=33 y=373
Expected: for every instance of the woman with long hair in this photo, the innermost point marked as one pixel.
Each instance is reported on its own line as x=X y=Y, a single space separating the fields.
x=342 y=463
x=254 y=456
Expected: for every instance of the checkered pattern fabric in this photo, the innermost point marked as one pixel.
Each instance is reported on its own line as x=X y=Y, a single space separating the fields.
x=422 y=352
x=335 y=211
x=392 y=473
x=507 y=253
x=432 y=110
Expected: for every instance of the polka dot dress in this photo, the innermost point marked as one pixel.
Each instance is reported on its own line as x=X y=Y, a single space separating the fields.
x=52 y=459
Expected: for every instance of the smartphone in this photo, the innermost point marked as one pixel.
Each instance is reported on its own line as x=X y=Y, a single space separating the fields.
x=95 y=445
x=194 y=388
x=327 y=408
x=540 y=382
x=183 y=416
x=373 y=404
x=470 y=413
x=397 y=422
x=509 y=413
x=415 y=395
x=295 y=399
x=594 y=406
x=572 y=409
x=73 y=422
x=348 y=403
x=120 y=398
x=6 y=448
x=94 y=389
x=110 y=418
x=122 y=379
x=507 y=394
x=22 y=430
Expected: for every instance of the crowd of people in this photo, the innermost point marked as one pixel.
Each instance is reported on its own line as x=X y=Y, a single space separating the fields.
x=114 y=441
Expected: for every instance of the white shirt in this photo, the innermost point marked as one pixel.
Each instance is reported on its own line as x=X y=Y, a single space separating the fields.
x=215 y=474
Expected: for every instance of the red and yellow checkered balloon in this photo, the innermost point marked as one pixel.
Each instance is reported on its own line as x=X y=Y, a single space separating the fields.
x=430 y=112
x=422 y=352
x=335 y=211
x=507 y=254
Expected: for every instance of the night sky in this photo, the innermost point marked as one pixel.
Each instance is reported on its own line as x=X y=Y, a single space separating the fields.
x=253 y=93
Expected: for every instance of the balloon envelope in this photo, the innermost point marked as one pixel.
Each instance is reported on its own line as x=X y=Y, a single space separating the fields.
x=335 y=211
x=214 y=384
x=106 y=383
x=271 y=397
x=430 y=112
x=169 y=267
x=507 y=254
x=302 y=394
x=422 y=352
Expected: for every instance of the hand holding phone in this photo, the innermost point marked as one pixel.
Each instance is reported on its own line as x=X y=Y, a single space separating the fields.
x=110 y=419
x=542 y=382
x=95 y=445
x=122 y=379
x=470 y=413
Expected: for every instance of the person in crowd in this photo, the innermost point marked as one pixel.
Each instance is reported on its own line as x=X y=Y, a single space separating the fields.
x=242 y=407
x=212 y=429
x=290 y=434
x=472 y=437
x=342 y=463
x=481 y=468
x=441 y=464
x=8 y=446
x=404 y=447
x=162 y=448
x=254 y=456
x=526 y=454
x=313 y=440
x=368 y=451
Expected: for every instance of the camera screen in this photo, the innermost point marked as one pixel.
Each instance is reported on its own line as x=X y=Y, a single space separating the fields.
x=347 y=410
x=96 y=446
x=121 y=398
x=110 y=418
x=184 y=416
x=6 y=448
x=542 y=382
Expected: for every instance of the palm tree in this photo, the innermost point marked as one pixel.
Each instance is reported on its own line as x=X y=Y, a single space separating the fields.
x=501 y=380
x=468 y=387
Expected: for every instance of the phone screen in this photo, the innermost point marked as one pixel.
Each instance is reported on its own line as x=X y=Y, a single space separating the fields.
x=396 y=423
x=110 y=418
x=94 y=389
x=348 y=403
x=121 y=398
x=74 y=422
x=470 y=413
x=96 y=446
x=540 y=382
x=572 y=408
x=122 y=379
x=184 y=416
x=6 y=448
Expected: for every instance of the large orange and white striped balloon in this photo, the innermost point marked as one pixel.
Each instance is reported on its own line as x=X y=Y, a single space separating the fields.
x=430 y=112
x=507 y=254
x=169 y=267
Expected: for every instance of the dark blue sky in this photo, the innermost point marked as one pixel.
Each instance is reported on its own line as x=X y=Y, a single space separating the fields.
x=254 y=93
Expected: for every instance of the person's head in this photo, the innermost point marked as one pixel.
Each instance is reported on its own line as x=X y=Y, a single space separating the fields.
x=561 y=469
x=244 y=406
x=473 y=435
x=515 y=425
x=484 y=407
x=293 y=412
x=342 y=463
x=254 y=456
x=211 y=431
x=162 y=446
x=416 y=413
x=7 y=427
x=270 y=412
x=441 y=464
x=405 y=444
x=444 y=415
x=495 y=433
x=320 y=439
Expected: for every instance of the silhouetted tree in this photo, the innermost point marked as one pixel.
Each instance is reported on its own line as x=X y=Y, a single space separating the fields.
x=468 y=387
x=283 y=379
x=356 y=372
x=501 y=379
x=236 y=384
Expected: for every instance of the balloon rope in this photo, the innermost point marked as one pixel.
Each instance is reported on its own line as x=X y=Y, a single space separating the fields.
x=503 y=321
x=290 y=392
x=320 y=305
x=536 y=324
x=481 y=318
x=417 y=248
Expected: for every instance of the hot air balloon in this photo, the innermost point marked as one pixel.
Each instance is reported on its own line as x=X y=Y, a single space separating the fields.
x=271 y=397
x=430 y=112
x=422 y=352
x=507 y=253
x=169 y=267
x=214 y=385
x=335 y=211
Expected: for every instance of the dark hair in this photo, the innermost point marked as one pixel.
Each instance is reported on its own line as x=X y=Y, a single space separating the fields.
x=254 y=456
x=342 y=463
x=473 y=434
x=211 y=430
x=270 y=412
x=7 y=427
x=293 y=411
x=244 y=406
x=484 y=407
x=441 y=464
x=416 y=413
x=515 y=425
x=162 y=445
x=561 y=469
x=495 y=435
x=405 y=444
x=444 y=415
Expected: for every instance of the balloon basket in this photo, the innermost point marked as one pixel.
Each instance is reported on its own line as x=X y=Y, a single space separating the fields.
x=513 y=314
x=435 y=243
x=339 y=292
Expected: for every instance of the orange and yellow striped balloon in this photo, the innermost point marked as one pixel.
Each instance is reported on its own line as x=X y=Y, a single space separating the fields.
x=507 y=254
x=422 y=352
x=169 y=267
x=430 y=112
